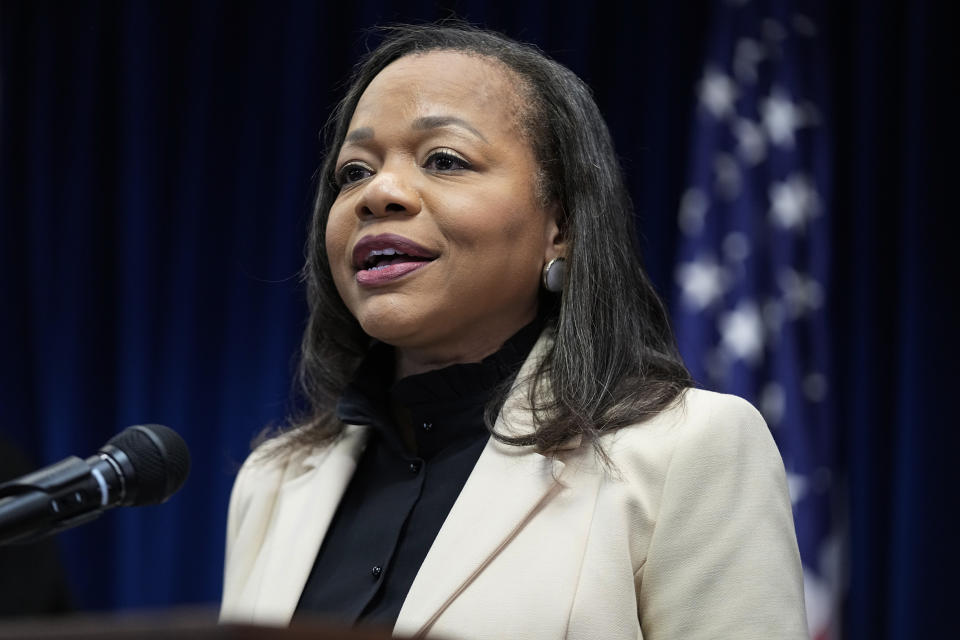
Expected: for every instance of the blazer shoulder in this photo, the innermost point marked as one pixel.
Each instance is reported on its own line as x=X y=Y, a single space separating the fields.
x=270 y=460
x=701 y=416
x=721 y=417
x=275 y=463
x=261 y=474
x=706 y=482
x=729 y=426
x=701 y=430
x=275 y=459
x=272 y=474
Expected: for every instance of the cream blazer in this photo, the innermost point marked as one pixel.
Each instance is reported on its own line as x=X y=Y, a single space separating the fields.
x=688 y=535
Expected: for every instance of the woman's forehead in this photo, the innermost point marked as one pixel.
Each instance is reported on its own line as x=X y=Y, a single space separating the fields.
x=439 y=83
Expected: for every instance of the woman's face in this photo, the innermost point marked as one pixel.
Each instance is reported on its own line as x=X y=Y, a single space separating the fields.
x=437 y=238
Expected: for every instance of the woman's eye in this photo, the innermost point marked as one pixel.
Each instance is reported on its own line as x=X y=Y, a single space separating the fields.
x=445 y=161
x=352 y=173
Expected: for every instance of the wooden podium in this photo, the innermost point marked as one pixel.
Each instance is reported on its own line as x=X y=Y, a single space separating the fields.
x=178 y=624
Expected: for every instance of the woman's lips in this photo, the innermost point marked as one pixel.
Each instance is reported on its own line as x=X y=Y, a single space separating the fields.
x=368 y=244
x=388 y=273
x=385 y=257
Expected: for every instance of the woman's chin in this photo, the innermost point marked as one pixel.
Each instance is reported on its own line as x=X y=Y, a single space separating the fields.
x=392 y=328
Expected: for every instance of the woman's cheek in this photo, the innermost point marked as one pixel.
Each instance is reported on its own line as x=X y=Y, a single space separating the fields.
x=335 y=237
x=335 y=241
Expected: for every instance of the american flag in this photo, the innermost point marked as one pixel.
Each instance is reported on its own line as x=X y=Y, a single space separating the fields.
x=753 y=265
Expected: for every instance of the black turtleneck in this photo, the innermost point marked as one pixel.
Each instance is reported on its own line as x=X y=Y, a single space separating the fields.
x=398 y=498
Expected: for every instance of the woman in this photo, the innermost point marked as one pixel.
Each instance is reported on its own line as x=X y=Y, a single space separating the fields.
x=502 y=439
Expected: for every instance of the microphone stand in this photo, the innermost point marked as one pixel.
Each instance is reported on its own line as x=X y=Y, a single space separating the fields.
x=63 y=495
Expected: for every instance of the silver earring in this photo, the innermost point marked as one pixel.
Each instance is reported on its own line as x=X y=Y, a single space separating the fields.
x=555 y=274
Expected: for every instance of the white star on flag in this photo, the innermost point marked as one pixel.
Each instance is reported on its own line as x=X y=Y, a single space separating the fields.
x=727 y=174
x=742 y=332
x=801 y=294
x=751 y=145
x=773 y=402
x=702 y=282
x=693 y=210
x=717 y=93
x=798 y=486
x=793 y=202
x=781 y=118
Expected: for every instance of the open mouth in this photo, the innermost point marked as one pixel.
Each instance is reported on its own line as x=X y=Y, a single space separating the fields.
x=382 y=258
x=385 y=257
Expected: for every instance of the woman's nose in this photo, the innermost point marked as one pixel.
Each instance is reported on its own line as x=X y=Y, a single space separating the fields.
x=388 y=193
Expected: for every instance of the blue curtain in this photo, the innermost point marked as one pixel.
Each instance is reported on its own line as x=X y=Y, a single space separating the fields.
x=156 y=166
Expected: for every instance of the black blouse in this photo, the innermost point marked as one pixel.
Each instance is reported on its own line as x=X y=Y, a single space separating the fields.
x=398 y=499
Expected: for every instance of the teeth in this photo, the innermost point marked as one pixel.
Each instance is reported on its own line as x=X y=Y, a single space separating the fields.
x=381 y=252
x=386 y=252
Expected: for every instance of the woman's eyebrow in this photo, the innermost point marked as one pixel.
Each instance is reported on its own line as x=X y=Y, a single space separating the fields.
x=435 y=122
x=363 y=133
x=420 y=124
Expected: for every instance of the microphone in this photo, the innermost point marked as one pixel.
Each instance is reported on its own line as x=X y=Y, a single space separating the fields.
x=145 y=464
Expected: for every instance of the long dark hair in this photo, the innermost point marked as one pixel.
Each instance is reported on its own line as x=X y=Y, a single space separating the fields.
x=613 y=361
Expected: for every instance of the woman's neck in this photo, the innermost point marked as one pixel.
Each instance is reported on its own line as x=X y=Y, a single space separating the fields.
x=464 y=349
x=410 y=362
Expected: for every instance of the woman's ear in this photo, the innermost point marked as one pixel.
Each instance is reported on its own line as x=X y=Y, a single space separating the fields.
x=556 y=240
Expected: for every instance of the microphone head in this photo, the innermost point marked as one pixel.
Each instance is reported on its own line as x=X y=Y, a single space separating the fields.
x=159 y=459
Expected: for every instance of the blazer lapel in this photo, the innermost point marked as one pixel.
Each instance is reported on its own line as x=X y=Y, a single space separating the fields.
x=304 y=509
x=505 y=490
x=508 y=486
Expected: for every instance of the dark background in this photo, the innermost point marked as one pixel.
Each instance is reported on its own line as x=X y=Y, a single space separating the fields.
x=155 y=186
